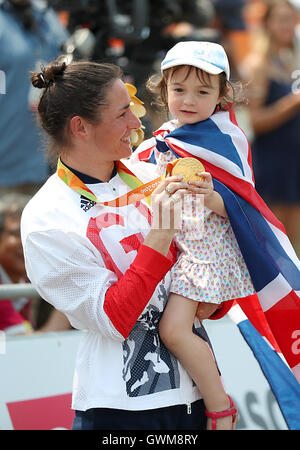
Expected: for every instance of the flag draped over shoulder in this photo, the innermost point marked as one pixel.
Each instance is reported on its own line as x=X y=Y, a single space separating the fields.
x=272 y=262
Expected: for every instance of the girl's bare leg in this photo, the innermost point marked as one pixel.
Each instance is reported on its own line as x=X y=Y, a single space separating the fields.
x=194 y=354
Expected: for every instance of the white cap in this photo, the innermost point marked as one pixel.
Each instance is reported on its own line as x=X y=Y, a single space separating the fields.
x=208 y=56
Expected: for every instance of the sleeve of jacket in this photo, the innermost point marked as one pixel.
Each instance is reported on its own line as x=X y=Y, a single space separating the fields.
x=70 y=276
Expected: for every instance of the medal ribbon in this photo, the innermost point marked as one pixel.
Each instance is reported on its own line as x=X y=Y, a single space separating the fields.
x=139 y=190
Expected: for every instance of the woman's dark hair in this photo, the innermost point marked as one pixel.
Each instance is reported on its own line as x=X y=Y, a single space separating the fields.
x=79 y=88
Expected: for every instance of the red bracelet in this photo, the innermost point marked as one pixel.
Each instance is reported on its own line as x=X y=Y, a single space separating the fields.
x=214 y=415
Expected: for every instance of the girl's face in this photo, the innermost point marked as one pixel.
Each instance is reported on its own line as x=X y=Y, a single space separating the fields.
x=281 y=24
x=191 y=99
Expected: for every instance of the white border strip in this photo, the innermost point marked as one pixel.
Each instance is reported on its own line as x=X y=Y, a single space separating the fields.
x=273 y=292
x=286 y=244
x=236 y=314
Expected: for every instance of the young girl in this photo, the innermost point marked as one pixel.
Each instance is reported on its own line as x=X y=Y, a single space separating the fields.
x=211 y=269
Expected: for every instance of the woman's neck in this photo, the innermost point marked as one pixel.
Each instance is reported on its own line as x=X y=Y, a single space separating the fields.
x=101 y=170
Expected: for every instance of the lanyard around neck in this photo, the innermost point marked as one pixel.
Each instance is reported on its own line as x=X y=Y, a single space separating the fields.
x=139 y=190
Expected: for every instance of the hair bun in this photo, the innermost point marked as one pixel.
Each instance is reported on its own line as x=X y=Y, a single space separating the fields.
x=48 y=75
x=38 y=80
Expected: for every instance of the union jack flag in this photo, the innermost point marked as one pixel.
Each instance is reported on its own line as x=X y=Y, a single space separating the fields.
x=272 y=262
x=282 y=382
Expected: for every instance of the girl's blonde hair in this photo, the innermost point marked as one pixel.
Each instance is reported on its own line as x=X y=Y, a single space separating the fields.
x=231 y=91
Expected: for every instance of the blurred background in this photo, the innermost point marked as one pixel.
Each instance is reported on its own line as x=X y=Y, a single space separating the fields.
x=262 y=40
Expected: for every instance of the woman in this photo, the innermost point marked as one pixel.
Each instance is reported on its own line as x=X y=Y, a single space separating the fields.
x=271 y=69
x=92 y=252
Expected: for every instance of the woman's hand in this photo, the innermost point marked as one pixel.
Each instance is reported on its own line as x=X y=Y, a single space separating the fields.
x=166 y=205
x=212 y=199
x=166 y=208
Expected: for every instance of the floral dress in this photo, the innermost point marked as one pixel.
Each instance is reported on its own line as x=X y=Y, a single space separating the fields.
x=211 y=267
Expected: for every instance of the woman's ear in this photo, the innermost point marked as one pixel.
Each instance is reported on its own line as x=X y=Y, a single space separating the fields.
x=79 y=127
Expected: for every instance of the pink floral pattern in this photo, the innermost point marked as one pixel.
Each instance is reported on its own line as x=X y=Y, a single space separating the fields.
x=210 y=268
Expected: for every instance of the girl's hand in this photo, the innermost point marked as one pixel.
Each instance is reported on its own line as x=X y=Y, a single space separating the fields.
x=205 y=187
x=212 y=199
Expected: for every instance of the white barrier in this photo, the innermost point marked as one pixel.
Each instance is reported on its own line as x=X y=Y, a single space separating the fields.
x=36 y=374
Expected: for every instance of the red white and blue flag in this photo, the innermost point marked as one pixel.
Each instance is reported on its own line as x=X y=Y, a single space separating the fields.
x=272 y=262
x=282 y=382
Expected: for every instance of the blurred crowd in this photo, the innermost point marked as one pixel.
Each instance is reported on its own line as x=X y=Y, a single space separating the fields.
x=262 y=40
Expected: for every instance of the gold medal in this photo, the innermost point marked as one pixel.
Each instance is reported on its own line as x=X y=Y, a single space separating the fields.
x=188 y=167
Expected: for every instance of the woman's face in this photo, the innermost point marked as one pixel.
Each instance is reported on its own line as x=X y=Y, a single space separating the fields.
x=281 y=24
x=111 y=136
